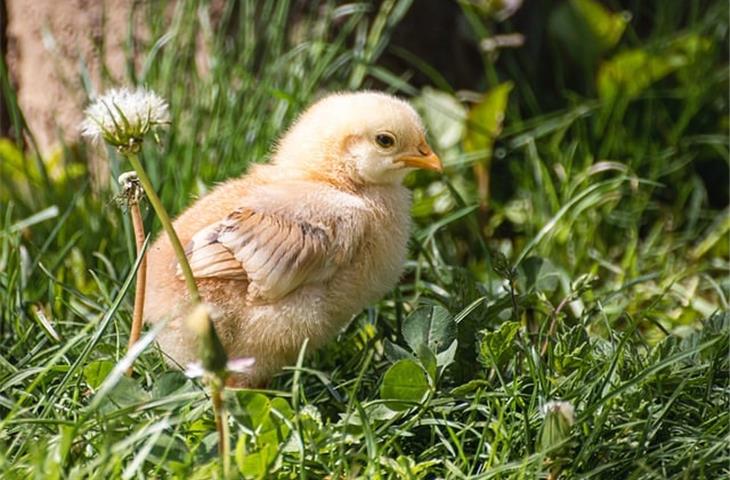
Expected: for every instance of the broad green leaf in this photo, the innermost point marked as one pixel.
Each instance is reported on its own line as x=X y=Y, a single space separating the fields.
x=404 y=381
x=95 y=372
x=168 y=383
x=428 y=360
x=630 y=72
x=395 y=352
x=255 y=464
x=205 y=471
x=264 y=416
x=255 y=408
x=537 y=274
x=125 y=393
x=446 y=358
x=485 y=120
x=432 y=326
x=444 y=116
x=497 y=347
x=373 y=412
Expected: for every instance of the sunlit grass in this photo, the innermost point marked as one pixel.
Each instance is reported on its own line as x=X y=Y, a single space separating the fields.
x=597 y=273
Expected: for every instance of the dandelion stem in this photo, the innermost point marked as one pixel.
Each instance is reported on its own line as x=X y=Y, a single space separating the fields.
x=221 y=423
x=141 y=278
x=167 y=225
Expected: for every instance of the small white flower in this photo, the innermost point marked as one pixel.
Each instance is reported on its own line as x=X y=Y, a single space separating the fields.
x=123 y=117
x=194 y=370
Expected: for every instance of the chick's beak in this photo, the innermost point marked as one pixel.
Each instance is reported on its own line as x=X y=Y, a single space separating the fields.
x=425 y=158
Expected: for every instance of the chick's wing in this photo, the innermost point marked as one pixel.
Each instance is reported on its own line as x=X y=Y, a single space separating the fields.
x=273 y=251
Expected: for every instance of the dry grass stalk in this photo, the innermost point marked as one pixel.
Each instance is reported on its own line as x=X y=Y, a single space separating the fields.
x=130 y=196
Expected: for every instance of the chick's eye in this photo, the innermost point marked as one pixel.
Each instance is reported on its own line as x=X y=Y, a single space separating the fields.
x=385 y=140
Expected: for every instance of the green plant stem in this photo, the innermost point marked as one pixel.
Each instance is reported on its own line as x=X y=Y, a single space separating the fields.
x=221 y=423
x=167 y=225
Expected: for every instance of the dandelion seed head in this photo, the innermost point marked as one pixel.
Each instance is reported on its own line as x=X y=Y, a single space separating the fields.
x=130 y=191
x=562 y=408
x=123 y=117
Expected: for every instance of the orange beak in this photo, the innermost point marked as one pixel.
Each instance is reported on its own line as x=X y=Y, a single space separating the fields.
x=425 y=159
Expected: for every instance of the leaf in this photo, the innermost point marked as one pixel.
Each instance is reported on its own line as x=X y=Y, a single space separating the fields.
x=444 y=116
x=537 y=274
x=95 y=372
x=470 y=387
x=630 y=72
x=394 y=352
x=125 y=393
x=432 y=326
x=606 y=27
x=404 y=381
x=168 y=383
x=485 y=120
x=586 y=29
x=497 y=347
x=446 y=358
x=256 y=464
x=428 y=360
x=264 y=416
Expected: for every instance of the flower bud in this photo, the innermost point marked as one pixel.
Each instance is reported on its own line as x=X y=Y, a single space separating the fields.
x=210 y=349
x=558 y=421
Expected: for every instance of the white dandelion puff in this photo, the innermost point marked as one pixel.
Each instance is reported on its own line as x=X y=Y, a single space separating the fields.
x=123 y=117
x=559 y=418
x=562 y=408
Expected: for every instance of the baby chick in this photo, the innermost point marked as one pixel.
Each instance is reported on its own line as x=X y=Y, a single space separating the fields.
x=293 y=249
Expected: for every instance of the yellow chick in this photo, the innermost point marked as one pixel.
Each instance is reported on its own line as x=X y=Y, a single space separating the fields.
x=293 y=249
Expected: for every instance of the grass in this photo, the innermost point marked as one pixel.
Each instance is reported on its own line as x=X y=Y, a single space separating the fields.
x=596 y=274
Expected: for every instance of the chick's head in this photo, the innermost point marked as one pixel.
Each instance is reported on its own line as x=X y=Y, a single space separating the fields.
x=357 y=138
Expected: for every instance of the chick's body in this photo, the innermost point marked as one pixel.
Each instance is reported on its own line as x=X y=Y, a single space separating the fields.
x=293 y=249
